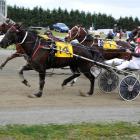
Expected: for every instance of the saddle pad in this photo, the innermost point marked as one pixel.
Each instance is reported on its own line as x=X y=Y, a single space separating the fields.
x=110 y=45
x=63 y=49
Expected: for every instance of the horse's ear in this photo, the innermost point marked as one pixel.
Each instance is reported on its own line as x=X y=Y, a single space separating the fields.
x=20 y=26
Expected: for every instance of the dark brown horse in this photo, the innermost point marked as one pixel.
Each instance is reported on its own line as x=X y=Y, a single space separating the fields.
x=79 y=33
x=20 y=52
x=41 y=56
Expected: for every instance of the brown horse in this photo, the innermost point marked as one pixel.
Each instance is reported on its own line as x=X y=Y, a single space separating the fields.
x=20 y=52
x=79 y=33
x=41 y=56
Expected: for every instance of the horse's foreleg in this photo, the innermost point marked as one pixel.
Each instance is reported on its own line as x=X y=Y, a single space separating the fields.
x=8 y=59
x=24 y=68
x=41 y=85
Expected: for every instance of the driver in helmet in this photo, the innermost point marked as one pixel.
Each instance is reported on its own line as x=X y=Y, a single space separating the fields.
x=110 y=35
x=134 y=63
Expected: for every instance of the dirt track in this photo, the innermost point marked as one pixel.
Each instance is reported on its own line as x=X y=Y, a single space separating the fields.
x=60 y=105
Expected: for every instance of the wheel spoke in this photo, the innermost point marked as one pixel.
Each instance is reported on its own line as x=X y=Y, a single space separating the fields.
x=129 y=88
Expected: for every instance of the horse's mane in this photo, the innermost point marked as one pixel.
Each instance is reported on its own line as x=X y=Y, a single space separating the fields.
x=33 y=31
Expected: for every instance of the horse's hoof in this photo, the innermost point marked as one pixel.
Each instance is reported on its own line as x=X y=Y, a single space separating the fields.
x=35 y=95
x=63 y=87
x=83 y=94
x=1 y=67
x=32 y=96
x=26 y=83
x=72 y=83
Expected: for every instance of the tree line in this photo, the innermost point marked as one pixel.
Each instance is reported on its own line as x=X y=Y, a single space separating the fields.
x=40 y=17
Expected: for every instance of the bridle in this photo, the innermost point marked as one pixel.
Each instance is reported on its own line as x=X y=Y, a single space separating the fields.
x=79 y=29
x=26 y=33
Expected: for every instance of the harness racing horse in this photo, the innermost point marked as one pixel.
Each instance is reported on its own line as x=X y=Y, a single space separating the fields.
x=20 y=52
x=79 y=33
x=41 y=56
x=5 y=26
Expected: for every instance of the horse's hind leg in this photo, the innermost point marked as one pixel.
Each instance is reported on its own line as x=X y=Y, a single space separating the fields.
x=76 y=73
x=74 y=70
x=73 y=81
x=25 y=68
x=92 y=81
x=70 y=79
x=86 y=71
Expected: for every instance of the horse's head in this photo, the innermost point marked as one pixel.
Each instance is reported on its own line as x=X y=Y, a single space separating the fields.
x=12 y=36
x=77 y=32
x=4 y=27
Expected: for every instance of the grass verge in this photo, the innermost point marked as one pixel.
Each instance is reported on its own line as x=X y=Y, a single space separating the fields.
x=84 y=131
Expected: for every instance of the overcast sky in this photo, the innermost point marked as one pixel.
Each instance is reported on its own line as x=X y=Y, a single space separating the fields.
x=116 y=8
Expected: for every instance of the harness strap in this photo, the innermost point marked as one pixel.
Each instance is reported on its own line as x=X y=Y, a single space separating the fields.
x=77 y=34
x=92 y=43
x=38 y=47
x=23 y=38
x=83 y=40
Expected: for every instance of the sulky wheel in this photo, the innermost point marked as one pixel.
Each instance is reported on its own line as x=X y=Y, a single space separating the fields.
x=108 y=81
x=129 y=88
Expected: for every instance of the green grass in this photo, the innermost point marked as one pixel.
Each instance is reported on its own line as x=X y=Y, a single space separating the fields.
x=84 y=131
x=11 y=47
x=59 y=34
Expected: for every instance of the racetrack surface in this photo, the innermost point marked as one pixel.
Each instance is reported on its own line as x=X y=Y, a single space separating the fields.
x=57 y=105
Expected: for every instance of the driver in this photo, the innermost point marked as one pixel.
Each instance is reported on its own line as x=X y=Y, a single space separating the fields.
x=134 y=63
